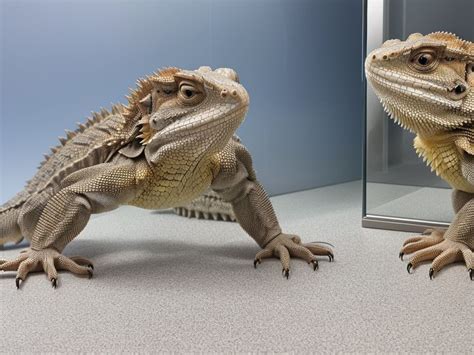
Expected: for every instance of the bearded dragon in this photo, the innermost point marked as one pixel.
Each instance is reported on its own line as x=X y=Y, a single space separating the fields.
x=172 y=141
x=426 y=84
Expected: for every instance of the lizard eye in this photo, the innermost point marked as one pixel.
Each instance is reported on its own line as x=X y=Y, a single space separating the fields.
x=189 y=94
x=424 y=61
x=187 y=91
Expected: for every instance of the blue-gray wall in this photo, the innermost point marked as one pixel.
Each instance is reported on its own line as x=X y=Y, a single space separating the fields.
x=300 y=60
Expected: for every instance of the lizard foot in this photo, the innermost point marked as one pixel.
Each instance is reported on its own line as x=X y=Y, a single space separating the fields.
x=432 y=246
x=284 y=246
x=47 y=260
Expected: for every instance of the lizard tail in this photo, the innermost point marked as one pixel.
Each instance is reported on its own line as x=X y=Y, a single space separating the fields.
x=9 y=229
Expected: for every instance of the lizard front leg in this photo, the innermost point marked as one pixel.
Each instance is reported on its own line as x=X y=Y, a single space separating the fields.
x=446 y=247
x=255 y=214
x=91 y=190
x=237 y=184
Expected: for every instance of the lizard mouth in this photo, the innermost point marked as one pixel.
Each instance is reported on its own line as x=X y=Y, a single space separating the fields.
x=439 y=108
x=435 y=93
x=188 y=125
x=185 y=127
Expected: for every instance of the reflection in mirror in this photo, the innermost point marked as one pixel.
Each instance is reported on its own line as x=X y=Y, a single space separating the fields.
x=398 y=183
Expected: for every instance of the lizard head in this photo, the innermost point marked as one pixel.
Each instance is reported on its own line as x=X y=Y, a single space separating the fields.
x=425 y=83
x=200 y=109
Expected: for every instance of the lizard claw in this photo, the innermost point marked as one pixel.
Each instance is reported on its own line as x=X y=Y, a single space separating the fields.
x=331 y=257
x=54 y=282
x=401 y=256
x=286 y=273
x=471 y=274
x=431 y=273
x=255 y=262
x=315 y=264
x=17 y=282
x=90 y=273
x=409 y=266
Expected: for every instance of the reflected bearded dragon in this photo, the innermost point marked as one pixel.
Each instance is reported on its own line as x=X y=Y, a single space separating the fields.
x=426 y=84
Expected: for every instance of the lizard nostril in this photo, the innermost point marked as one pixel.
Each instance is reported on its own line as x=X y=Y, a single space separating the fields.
x=458 y=92
x=234 y=92
x=224 y=93
x=459 y=89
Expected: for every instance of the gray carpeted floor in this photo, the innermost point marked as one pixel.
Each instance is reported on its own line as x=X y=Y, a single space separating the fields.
x=164 y=283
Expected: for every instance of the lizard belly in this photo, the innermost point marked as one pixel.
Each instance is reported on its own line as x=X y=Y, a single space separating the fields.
x=171 y=186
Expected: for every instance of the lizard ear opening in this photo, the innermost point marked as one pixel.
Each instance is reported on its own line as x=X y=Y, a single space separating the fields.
x=145 y=105
x=132 y=149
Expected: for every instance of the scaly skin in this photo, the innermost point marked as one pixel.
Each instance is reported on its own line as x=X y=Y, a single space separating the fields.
x=426 y=84
x=172 y=142
x=208 y=206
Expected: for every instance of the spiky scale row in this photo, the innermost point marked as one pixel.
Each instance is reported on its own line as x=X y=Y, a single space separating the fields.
x=144 y=87
x=130 y=114
x=208 y=206
x=185 y=212
x=456 y=45
x=33 y=184
x=96 y=117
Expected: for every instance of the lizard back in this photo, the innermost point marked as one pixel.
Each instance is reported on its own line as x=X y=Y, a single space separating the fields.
x=92 y=143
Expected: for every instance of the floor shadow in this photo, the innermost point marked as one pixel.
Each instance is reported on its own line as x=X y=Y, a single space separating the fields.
x=23 y=244
x=98 y=248
x=168 y=259
x=164 y=212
